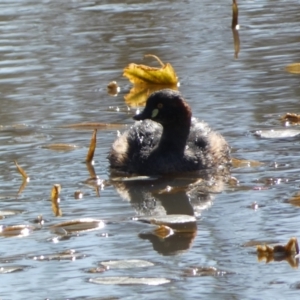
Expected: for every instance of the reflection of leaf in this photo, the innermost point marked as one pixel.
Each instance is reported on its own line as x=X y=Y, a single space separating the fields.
x=142 y=74
x=291 y=118
x=236 y=41
x=22 y=186
x=293 y=68
x=140 y=93
x=178 y=223
x=94 y=180
x=90 y=154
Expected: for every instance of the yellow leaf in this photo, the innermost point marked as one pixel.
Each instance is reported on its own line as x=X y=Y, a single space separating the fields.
x=142 y=74
x=139 y=94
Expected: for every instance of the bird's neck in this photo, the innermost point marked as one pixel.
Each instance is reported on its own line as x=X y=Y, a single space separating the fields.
x=174 y=136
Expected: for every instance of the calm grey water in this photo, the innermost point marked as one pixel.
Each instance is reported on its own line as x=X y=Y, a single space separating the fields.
x=56 y=58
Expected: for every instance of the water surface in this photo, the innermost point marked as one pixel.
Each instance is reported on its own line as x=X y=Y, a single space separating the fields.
x=56 y=59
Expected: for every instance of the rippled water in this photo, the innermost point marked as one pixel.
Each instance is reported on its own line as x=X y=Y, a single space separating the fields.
x=56 y=59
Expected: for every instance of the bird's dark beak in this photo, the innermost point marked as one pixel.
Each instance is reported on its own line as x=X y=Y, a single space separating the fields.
x=140 y=116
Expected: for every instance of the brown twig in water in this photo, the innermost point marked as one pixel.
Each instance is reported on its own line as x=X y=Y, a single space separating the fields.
x=90 y=155
x=235 y=14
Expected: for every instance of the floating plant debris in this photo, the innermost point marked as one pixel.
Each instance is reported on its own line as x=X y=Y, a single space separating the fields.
x=129 y=280
x=11 y=268
x=89 y=126
x=279 y=252
x=65 y=255
x=16 y=230
x=178 y=223
x=22 y=186
x=60 y=147
x=254 y=205
x=78 y=194
x=142 y=74
x=55 y=200
x=39 y=220
x=90 y=154
x=277 y=133
x=85 y=224
x=126 y=264
x=293 y=68
x=291 y=118
x=233 y=181
x=113 y=89
x=9 y=212
x=295 y=200
x=235 y=15
x=22 y=172
x=254 y=243
x=163 y=231
x=96 y=270
x=242 y=163
x=204 y=271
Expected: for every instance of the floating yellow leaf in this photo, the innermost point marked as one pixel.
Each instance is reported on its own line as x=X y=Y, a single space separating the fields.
x=142 y=74
x=291 y=118
x=55 y=200
x=90 y=154
x=279 y=252
x=293 y=68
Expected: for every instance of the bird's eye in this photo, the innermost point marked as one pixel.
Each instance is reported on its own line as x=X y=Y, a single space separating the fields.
x=160 y=105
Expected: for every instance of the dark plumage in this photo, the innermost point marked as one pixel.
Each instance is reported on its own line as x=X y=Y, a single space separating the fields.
x=168 y=140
